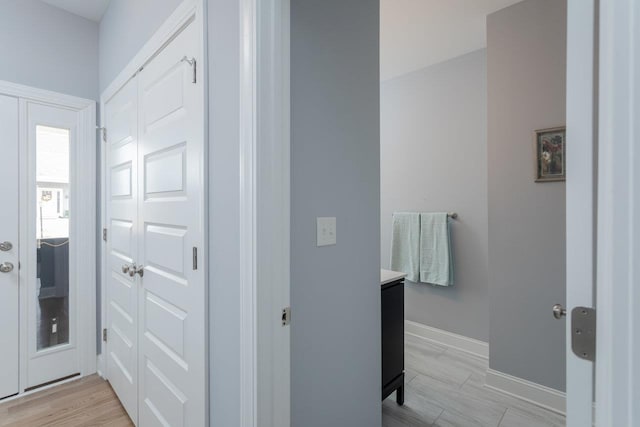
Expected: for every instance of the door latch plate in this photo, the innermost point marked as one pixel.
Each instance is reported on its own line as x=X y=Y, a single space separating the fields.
x=583 y=332
x=286 y=316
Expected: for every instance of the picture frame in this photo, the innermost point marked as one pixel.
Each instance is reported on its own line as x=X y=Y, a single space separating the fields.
x=550 y=159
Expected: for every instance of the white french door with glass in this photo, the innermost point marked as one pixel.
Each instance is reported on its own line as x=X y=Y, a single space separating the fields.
x=9 y=249
x=52 y=326
x=47 y=220
x=154 y=199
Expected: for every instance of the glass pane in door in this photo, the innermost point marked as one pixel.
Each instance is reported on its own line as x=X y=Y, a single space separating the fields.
x=52 y=235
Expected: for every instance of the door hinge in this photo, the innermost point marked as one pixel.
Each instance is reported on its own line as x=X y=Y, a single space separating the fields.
x=195 y=258
x=104 y=133
x=583 y=332
x=104 y=335
x=286 y=316
x=104 y=234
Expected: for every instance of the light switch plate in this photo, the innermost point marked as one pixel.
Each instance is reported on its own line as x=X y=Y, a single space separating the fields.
x=326 y=231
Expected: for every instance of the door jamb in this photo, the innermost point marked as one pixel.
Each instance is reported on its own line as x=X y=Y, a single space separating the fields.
x=264 y=213
x=580 y=201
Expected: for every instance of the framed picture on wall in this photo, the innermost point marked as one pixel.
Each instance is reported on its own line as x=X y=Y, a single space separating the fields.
x=550 y=154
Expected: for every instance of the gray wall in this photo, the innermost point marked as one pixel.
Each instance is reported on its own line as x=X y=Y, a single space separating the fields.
x=125 y=28
x=433 y=158
x=526 y=51
x=45 y=47
x=335 y=154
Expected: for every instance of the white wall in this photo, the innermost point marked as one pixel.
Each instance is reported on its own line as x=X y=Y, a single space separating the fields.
x=526 y=63
x=434 y=158
x=45 y=47
x=335 y=155
x=125 y=28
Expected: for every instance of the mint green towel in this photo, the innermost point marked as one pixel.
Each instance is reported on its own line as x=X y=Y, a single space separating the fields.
x=436 y=259
x=405 y=244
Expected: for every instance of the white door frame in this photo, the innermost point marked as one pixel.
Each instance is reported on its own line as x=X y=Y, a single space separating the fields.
x=264 y=213
x=83 y=171
x=580 y=198
x=618 y=278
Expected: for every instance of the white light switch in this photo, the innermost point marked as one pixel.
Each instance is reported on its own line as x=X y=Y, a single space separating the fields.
x=326 y=229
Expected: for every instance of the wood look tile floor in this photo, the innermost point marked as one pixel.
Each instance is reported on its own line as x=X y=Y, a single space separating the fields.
x=445 y=388
x=86 y=402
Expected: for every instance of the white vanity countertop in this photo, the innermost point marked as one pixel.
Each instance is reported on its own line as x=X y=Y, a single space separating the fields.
x=388 y=276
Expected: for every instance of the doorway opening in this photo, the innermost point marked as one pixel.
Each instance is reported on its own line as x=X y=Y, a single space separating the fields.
x=473 y=168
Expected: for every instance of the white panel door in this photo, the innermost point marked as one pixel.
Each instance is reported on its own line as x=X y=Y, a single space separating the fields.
x=121 y=120
x=9 y=290
x=172 y=301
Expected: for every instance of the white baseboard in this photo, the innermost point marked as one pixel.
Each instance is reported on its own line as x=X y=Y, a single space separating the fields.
x=448 y=339
x=537 y=394
x=528 y=391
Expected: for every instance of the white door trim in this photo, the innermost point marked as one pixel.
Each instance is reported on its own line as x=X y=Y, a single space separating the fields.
x=85 y=207
x=618 y=321
x=264 y=213
x=580 y=192
x=248 y=273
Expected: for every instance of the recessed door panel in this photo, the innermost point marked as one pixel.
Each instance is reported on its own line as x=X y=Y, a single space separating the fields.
x=9 y=250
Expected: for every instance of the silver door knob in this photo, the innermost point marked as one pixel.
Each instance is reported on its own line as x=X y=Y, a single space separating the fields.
x=132 y=270
x=140 y=270
x=559 y=311
x=6 y=246
x=125 y=268
x=6 y=267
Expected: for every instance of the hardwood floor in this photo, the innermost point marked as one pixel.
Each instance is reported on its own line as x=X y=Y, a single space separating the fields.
x=86 y=402
x=445 y=388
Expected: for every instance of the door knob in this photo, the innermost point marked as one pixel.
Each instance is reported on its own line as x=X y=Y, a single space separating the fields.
x=139 y=271
x=125 y=268
x=6 y=267
x=559 y=311
x=6 y=246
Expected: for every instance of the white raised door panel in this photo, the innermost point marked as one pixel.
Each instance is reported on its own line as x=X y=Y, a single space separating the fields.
x=9 y=281
x=172 y=383
x=121 y=120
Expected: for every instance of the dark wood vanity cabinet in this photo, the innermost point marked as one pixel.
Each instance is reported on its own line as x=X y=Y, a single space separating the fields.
x=393 y=339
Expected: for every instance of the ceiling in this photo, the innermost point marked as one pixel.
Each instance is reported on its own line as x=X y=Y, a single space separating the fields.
x=417 y=33
x=90 y=9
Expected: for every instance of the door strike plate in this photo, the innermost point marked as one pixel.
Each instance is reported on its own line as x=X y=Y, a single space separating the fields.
x=583 y=332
